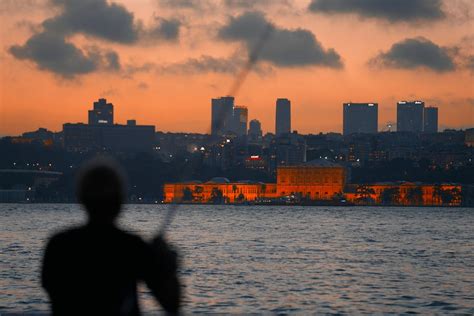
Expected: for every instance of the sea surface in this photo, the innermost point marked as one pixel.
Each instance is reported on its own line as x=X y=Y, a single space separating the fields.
x=275 y=259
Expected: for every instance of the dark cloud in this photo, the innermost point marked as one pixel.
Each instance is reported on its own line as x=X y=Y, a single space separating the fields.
x=50 y=49
x=252 y=4
x=164 y=29
x=391 y=10
x=99 y=18
x=413 y=53
x=204 y=64
x=112 y=61
x=284 y=47
x=53 y=53
x=470 y=63
x=187 y=4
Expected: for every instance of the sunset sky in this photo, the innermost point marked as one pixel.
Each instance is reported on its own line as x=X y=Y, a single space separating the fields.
x=161 y=61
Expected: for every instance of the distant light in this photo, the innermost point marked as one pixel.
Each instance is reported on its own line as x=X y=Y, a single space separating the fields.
x=228 y=140
x=255 y=157
x=202 y=148
x=371 y=104
x=402 y=102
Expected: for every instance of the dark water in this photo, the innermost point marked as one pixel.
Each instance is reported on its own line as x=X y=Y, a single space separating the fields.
x=277 y=259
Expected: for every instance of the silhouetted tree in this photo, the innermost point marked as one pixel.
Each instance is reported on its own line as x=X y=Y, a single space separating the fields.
x=437 y=192
x=217 y=197
x=415 y=196
x=391 y=196
x=187 y=195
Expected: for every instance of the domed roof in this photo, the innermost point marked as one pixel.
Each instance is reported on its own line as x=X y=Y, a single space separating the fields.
x=219 y=180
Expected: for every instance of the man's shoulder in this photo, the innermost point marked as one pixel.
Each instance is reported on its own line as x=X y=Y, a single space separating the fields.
x=67 y=233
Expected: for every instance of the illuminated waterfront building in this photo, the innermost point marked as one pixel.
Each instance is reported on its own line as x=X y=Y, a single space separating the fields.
x=360 y=118
x=318 y=179
x=283 y=117
x=102 y=113
x=217 y=190
x=404 y=193
x=430 y=120
x=410 y=116
x=315 y=180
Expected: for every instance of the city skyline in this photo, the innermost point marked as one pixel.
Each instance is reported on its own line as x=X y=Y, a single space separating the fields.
x=162 y=68
x=227 y=117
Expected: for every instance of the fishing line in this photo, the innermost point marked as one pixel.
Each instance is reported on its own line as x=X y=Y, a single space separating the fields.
x=235 y=87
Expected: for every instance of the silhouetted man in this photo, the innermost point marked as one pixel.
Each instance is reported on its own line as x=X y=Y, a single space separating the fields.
x=94 y=269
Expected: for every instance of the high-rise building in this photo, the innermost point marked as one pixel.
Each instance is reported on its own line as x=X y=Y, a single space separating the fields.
x=410 y=116
x=255 y=130
x=360 y=118
x=240 y=120
x=102 y=113
x=222 y=110
x=283 y=117
x=430 y=120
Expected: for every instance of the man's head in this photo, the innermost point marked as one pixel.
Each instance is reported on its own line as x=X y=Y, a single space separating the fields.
x=100 y=188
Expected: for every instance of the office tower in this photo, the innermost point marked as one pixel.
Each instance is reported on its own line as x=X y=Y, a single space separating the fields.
x=102 y=113
x=360 y=118
x=283 y=117
x=410 y=116
x=240 y=120
x=255 y=130
x=430 y=120
x=222 y=110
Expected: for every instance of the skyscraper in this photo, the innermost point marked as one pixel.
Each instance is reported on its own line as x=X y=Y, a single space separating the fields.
x=255 y=130
x=240 y=120
x=102 y=113
x=410 y=116
x=222 y=110
x=430 y=120
x=360 y=118
x=283 y=117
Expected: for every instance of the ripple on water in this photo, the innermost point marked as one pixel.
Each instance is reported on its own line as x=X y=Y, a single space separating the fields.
x=277 y=259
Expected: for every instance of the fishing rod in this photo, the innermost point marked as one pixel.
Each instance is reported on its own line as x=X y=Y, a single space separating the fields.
x=235 y=87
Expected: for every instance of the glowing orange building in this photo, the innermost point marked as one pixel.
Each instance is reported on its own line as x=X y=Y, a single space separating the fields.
x=318 y=179
x=218 y=190
x=314 y=180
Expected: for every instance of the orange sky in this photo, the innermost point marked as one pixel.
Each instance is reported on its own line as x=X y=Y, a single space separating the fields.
x=180 y=101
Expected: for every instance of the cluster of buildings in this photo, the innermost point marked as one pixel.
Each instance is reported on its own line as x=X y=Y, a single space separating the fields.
x=303 y=167
x=100 y=133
